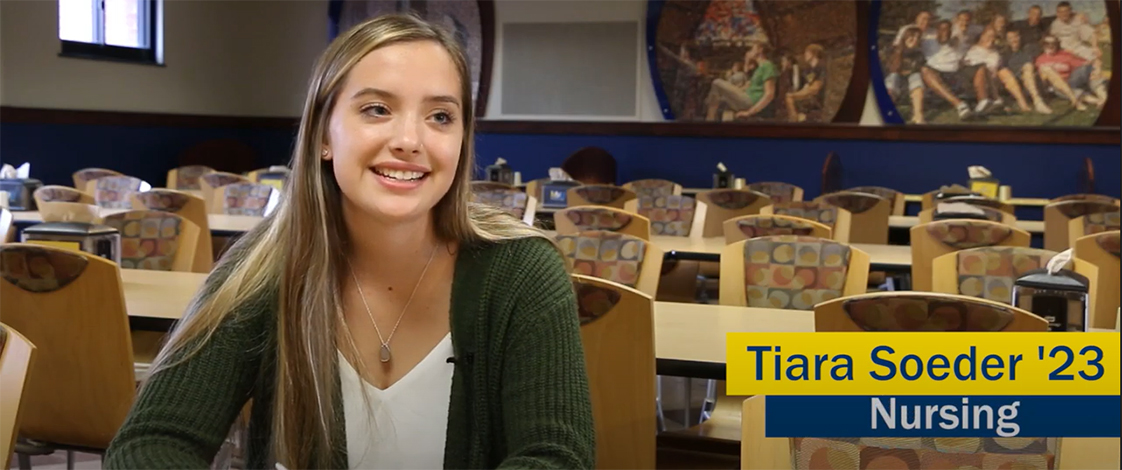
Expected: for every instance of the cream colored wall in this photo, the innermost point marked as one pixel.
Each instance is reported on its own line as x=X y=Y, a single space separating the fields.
x=246 y=58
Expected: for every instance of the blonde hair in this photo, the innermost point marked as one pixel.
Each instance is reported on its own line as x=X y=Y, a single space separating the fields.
x=302 y=241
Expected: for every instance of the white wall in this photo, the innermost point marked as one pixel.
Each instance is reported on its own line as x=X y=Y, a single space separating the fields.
x=222 y=57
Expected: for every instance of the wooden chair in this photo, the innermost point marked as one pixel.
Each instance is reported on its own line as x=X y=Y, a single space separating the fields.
x=155 y=240
x=617 y=257
x=1091 y=224
x=1102 y=251
x=186 y=178
x=982 y=201
x=113 y=192
x=752 y=226
x=986 y=272
x=490 y=186
x=725 y=204
x=6 y=232
x=17 y=357
x=585 y=218
x=1087 y=197
x=654 y=188
x=84 y=176
x=869 y=215
x=1058 y=216
x=514 y=201
x=599 y=195
x=250 y=199
x=617 y=332
x=70 y=212
x=928 y=200
x=934 y=239
x=896 y=197
x=778 y=192
x=674 y=216
x=838 y=219
x=210 y=182
x=988 y=213
x=71 y=305
x=534 y=187
x=189 y=207
x=276 y=177
x=53 y=193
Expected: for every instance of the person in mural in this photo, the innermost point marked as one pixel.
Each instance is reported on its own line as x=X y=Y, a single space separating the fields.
x=999 y=24
x=755 y=99
x=964 y=31
x=945 y=74
x=904 y=69
x=1075 y=33
x=1032 y=30
x=1072 y=76
x=810 y=97
x=923 y=23
x=1017 y=61
x=985 y=54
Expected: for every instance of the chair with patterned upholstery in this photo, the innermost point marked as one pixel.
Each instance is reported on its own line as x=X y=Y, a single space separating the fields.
x=790 y=272
x=113 y=192
x=1058 y=217
x=1087 y=197
x=17 y=355
x=617 y=331
x=186 y=178
x=1102 y=251
x=83 y=177
x=654 y=188
x=209 y=184
x=71 y=305
x=250 y=199
x=514 y=201
x=155 y=240
x=981 y=201
x=928 y=199
x=617 y=257
x=897 y=198
x=838 y=219
x=585 y=218
x=675 y=216
x=778 y=192
x=188 y=206
x=1093 y=223
x=944 y=212
x=935 y=239
x=54 y=193
x=724 y=204
x=752 y=226
x=869 y=215
x=599 y=195
x=986 y=272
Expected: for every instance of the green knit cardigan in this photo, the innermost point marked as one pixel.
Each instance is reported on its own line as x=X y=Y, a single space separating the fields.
x=520 y=396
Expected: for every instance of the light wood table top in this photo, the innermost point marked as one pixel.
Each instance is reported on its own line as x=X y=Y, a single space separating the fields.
x=160 y=295
x=1016 y=201
x=218 y=222
x=909 y=221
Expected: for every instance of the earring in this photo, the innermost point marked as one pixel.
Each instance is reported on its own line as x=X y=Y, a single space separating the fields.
x=324 y=152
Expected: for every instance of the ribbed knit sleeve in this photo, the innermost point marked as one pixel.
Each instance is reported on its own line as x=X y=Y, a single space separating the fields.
x=547 y=409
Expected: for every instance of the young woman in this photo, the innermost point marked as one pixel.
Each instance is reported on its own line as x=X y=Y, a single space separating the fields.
x=377 y=320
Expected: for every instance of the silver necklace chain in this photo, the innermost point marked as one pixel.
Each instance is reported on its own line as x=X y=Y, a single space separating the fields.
x=384 y=354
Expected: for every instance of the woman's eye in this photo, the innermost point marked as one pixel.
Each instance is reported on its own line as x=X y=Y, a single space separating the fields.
x=375 y=110
x=443 y=118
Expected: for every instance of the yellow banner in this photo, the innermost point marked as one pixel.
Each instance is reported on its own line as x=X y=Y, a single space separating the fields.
x=938 y=363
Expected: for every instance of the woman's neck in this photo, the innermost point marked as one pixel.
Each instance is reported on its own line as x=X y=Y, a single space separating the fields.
x=383 y=252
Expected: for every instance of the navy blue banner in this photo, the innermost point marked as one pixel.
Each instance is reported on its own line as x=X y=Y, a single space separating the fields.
x=943 y=416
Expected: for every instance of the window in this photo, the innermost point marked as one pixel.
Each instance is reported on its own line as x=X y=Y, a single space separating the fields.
x=109 y=29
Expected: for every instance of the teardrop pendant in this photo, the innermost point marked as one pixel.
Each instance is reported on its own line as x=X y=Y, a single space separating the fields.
x=384 y=354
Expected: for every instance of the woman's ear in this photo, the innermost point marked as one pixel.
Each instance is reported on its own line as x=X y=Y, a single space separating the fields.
x=325 y=153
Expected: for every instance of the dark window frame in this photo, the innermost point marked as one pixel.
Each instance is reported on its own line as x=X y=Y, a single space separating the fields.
x=137 y=55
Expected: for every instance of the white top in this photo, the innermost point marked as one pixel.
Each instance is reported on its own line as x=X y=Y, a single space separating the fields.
x=946 y=58
x=405 y=424
x=979 y=55
x=1075 y=36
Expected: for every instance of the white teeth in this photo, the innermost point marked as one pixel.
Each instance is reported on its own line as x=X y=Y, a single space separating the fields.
x=400 y=174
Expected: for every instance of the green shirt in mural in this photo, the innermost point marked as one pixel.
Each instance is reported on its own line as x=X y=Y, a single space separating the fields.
x=764 y=71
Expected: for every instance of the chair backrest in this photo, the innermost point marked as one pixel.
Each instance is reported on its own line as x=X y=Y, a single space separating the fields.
x=188 y=206
x=1058 y=215
x=155 y=240
x=790 y=272
x=674 y=215
x=934 y=239
x=599 y=195
x=6 y=232
x=928 y=199
x=987 y=272
x=838 y=219
x=586 y=218
x=654 y=188
x=1091 y=224
x=17 y=355
x=514 y=201
x=54 y=193
x=1102 y=250
x=84 y=176
x=778 y=192
x=534 y=187
x=989 y=213
x=724 y=204
x=71 y=305
x=617 y=332
x=981 y=201
x=113 y=192
x=897 y=197
x=245 y=199
x=752 y=226
x=209 y=184
x=617 y=257
x=1087 y=197
x=922 y=311
x=481 y=185
x=187 y=177
x=868 y=214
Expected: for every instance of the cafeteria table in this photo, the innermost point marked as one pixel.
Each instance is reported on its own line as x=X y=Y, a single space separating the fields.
x=219 y=223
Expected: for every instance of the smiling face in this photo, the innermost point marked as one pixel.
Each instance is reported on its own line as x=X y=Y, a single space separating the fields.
x=923 y=20
x=395 y=132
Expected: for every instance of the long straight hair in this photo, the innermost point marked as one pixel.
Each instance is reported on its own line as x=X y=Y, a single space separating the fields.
x=306 y=239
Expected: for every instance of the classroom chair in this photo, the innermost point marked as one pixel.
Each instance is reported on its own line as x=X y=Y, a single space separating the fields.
x=654 y=188
x=186 y=178
x=6 y=226
x=838 y=219
x=70 y=212
x=585 y=218
x=981 y=201
x=1058 y=216
x=1087 y=197
x=1091 y=224
x=54 y=193
x=725 y=204
x=210 y=182
x=986 y=272
x=113 y=192
x=84 y=176
x=155 y=240
x=250 y=199
x=869 y=215
x=191 y=208
x=897 y=198
x=599 y=195
x=674 y=216
x=934 y=239
x=513 y=201
x=1102 y=251
x=752 y=226
x=534 y=187
x=927 y=201
x=617 y=257
x=275 y=176
x=17 y=356
x=617 y=332
x=981 y=212
x=777 y=191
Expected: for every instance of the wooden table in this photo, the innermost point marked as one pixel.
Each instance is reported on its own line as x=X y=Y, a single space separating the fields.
x=1016 y=201
x=221 y=223
x=908 y=221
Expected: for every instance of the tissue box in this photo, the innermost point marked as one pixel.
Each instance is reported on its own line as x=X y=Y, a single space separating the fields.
x=555 y=193
x=98 y=240
x=20 y=192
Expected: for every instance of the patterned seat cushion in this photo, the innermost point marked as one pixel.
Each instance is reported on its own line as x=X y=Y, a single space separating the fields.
x=91 y=174
x=162 y=200
x=778 y=192
x=793 y=272
x=1109 y=242
x=989 y=272
x=246 y=199
x=149 y=239
x=509 y=200
x=215 y=180
x=852 y=201
x=600 y=194
x=58 y=194
x=669 y=215
x=593 y=301
x=37 y=269
x=964 y=234
x=924 y=453
x=1079 y=208
x=765 y=225
x=187 y=177
x=607 y=255
x=1100 y=222
x=734 y=199
x=113 y=192
x=887 y=193
x=923 y=313
x=818 y=212
x=588 y=218
x=652 y=188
